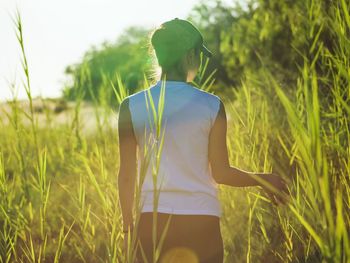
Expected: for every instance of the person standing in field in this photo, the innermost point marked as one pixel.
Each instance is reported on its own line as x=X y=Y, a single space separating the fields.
x=194 y=156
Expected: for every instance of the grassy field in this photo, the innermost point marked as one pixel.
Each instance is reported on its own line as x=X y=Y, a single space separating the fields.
x=58 y=171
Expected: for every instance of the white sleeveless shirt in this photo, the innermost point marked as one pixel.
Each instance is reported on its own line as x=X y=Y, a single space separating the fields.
x=184 y=175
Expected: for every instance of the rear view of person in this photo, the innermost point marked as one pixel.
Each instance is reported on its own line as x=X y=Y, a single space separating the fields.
x=193 y=160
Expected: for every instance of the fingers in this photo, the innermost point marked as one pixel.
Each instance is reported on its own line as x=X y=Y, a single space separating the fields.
x=283 y=198
x=272 y=198
x=280 y=195
x=278 y=199
x=284 y=187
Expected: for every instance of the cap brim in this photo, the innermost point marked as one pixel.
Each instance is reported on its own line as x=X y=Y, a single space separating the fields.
x=206 y=51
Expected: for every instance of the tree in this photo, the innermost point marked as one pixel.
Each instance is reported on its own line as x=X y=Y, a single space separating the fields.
x=129 y=57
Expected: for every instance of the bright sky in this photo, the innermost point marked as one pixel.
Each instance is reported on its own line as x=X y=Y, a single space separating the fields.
x=57 y=33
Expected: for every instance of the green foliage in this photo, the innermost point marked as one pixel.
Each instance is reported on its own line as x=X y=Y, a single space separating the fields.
x=270 y=34
x=212 y=18
x=129 y=57
x=262 y=36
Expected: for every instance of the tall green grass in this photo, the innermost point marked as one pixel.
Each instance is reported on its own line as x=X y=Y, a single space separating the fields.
x=58 y=194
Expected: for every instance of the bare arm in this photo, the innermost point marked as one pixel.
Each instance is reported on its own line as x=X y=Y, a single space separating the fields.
x=223 y=173
x=127 y=167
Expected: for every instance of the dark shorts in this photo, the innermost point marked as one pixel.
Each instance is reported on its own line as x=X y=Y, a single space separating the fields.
x=188 y=237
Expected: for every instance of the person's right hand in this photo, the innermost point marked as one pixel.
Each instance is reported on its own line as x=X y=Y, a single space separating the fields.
x=279 y=195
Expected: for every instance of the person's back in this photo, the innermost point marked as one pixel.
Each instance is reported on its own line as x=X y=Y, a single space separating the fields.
x=187 y=186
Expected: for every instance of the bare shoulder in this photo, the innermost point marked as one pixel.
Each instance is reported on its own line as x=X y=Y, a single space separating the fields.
x=213 y=100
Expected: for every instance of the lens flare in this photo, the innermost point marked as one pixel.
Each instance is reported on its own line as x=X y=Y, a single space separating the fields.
x=180 y=255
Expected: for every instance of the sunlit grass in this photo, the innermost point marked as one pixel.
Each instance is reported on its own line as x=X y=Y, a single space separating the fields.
x=58 y=194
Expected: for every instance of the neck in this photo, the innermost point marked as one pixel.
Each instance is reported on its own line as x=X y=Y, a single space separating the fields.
x=174 y=76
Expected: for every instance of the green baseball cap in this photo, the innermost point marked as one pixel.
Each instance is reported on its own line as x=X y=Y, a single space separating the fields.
x=174 y=38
